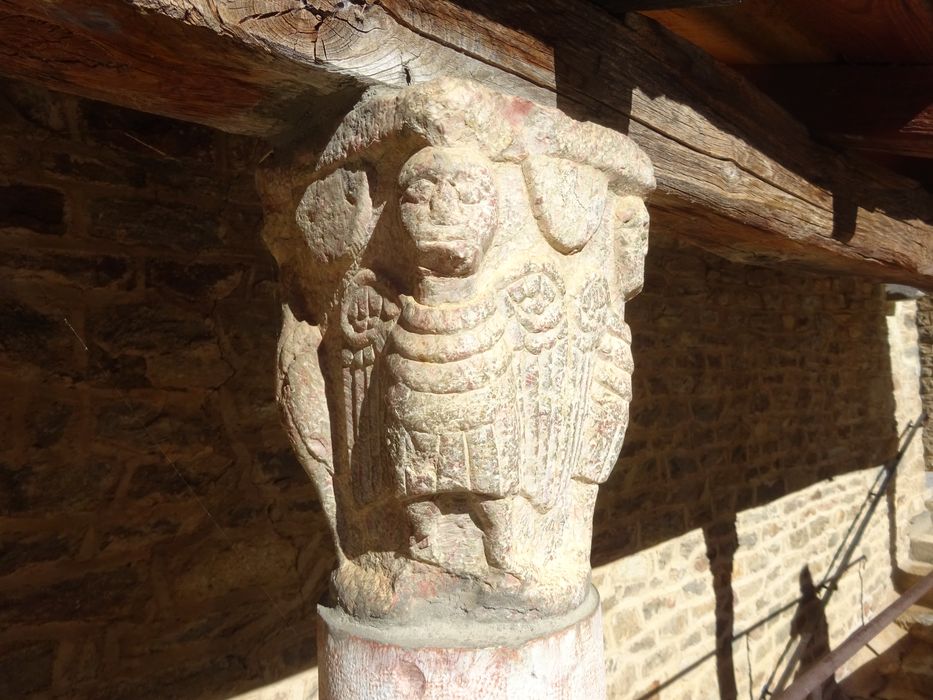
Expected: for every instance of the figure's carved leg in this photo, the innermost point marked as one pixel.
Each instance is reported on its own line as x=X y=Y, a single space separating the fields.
x=454 y=374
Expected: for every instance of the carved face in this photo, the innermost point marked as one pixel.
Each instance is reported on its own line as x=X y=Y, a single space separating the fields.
x=448 y=206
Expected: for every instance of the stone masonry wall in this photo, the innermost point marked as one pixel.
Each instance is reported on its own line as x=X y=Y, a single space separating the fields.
x=925 y=330
x=764 y=404
x=158 y=540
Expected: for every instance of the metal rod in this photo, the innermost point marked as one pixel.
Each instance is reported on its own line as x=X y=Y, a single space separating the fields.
x=814 y=677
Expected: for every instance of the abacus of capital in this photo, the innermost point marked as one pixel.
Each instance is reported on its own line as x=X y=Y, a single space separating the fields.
x=455 y=371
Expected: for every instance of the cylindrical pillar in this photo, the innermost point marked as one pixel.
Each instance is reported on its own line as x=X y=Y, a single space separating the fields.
x=560 y=658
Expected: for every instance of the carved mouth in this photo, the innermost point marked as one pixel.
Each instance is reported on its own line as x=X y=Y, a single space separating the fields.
x=454 y=257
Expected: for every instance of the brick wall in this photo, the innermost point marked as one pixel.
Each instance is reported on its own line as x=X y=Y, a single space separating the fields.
x=157 y=539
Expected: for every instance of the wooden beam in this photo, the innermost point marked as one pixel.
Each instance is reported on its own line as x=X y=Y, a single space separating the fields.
x=154 y=61
x=723 y=151
x=872 y=31
x=885 y=109
x=620 y=7
x=725 y=154
x=754 y=32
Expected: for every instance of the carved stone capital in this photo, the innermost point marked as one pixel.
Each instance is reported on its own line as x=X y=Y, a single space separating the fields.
x=454 y=365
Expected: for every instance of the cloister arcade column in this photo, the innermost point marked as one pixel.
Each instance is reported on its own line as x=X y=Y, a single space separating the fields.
x=455 y=372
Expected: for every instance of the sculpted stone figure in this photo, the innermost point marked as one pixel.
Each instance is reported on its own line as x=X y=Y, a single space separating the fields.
x=454 y=365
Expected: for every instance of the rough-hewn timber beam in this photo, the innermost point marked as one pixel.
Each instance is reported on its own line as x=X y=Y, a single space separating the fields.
x=723 y=152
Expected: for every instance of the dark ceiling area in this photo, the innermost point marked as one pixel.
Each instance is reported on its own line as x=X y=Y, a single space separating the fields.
x=857 y=73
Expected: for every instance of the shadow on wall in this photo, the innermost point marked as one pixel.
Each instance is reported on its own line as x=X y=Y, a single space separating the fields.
x=808 y=640
x=157 y=537
x=811 y=630
x=749 y=385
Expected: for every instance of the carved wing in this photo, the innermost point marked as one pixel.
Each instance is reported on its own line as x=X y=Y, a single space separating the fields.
x=611 y=388
x=301 y=395
x=609 y=395
x=542 y=359
x=367 y=313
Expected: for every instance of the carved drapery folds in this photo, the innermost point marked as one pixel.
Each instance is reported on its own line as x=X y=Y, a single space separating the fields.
x=454 y=365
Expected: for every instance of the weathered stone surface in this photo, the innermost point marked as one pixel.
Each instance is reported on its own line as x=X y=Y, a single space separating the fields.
x=26 y=669
x=77 y=271
x=194 y=280
x=179 y=345
x=34 y=334
x=91 y=596
x=456 y=265
x=925 y=331
x=179 y=227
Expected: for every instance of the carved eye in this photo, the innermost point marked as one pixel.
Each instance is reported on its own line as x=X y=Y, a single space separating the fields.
x=419 y=192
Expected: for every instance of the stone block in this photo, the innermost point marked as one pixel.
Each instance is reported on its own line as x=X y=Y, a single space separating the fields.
x=33 y=207
x=99 y=595
x=26 y=668
x=197 y=281
x=179 y=346
x=36 y=336
x=177 y=227
x=116 y=371
x=47 y=420
x=87 y=271
x=21 y=549
x=40 y=485
x=147 y=328
x=101 y=168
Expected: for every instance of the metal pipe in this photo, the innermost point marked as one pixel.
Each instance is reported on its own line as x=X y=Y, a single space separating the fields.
x=814 y=677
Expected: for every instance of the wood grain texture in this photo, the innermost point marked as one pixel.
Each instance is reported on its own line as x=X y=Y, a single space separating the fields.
x=872 y=31
x=755 y=32
x=159 y=57
x=620 y=7
x=721 y=149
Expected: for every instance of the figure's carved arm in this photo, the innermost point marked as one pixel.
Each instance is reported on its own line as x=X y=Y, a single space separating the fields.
x=301 y=394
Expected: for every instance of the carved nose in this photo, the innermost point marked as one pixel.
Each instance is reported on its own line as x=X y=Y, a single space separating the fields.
x=445 y=204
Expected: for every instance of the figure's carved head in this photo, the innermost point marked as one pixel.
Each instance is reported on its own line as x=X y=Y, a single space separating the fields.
x=448 y=206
